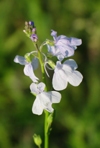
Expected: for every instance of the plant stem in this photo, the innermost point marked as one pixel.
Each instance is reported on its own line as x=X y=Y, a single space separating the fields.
x=41 y=63
x=46 y=139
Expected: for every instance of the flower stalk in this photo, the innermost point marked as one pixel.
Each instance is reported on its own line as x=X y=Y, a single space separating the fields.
x=65 y=72
x=46 y=113
x=46 y=135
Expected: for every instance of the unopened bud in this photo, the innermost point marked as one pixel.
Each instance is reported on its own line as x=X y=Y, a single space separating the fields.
x=34 y=37
x=37 y=140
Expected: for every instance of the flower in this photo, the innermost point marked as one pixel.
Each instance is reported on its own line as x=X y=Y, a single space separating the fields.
x=43 y=99
x=63 y=46
x=64 y=73
x=29 y=68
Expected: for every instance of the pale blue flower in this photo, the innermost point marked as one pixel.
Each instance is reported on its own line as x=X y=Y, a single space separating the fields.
x=29 y=66
x=63 y=46
x=66 y=73
x=43 y=99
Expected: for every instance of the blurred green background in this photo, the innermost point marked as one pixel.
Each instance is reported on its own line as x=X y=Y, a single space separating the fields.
x=77 y=117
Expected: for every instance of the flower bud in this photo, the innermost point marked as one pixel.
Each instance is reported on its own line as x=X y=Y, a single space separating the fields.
x=31 y=23
x=34 y=37
x=37 y=140
x=34 y=30
x=27 y=57
x=52 y=64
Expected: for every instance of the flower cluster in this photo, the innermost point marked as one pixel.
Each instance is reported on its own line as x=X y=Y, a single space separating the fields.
x=62 y=47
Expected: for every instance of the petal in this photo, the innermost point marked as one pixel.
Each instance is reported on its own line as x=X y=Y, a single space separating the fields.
x=21 y=60
x=28 y=71
x=58 y=65
x=75 y=41
x=59 y=80
x=65 y=50
x=34 y=63
x=63 y=39
x=75 y=78
x=54 y=34
x=60 y=57
x=37 y=88
x=52 y=50
x=41 y=87
x=71 y=63
x=54 y=96
x=69 y=40
x=33 y=88
x=37 y=107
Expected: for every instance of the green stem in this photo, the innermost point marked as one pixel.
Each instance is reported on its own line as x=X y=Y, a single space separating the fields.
x=46 y=138
x=41 y=63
